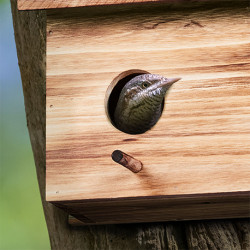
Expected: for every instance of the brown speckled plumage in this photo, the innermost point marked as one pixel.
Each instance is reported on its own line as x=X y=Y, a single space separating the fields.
x=140 y=103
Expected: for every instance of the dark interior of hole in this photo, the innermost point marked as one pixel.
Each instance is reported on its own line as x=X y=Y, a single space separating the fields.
x=114 y=96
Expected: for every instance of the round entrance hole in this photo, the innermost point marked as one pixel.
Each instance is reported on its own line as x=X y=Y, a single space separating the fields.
x=115 y=88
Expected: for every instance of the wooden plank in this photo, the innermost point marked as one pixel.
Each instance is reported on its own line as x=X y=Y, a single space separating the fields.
x=158 y=209
x=201 y=143
x=48 y=4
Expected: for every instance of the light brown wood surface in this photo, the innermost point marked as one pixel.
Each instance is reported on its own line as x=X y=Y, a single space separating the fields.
x=200 y=145
x=30 y=35
x=49 y=4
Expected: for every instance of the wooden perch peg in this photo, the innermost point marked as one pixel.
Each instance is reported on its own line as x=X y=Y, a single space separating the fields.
x=127 y=161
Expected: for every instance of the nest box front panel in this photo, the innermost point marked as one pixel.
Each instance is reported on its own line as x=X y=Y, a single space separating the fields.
x=200 y=144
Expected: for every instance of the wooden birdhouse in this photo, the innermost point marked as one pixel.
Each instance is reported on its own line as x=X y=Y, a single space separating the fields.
x=195 y=162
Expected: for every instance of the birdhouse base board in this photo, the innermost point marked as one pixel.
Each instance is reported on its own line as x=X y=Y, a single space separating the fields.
x=156 y=209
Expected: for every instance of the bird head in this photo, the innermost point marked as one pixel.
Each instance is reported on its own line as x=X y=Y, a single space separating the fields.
x=140 y=102
x=147 y=86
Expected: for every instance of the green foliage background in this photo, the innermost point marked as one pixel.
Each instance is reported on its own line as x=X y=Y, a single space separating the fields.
x=22 y=225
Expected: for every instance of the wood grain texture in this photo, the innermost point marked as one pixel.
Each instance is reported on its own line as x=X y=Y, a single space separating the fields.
x=30 y=35
x=48 y=4
x=201 y=143
x=156 y=209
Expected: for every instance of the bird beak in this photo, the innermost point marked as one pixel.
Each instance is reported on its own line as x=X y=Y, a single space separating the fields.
x=168 y=82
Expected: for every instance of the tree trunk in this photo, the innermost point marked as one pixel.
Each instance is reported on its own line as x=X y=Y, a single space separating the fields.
x=30 y=36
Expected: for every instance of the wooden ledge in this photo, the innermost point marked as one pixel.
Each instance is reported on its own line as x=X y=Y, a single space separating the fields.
x=48 y=4
x=57 y=4
x=157 y=209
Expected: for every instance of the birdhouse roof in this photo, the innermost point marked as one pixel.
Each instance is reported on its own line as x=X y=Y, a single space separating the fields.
x=54 y=4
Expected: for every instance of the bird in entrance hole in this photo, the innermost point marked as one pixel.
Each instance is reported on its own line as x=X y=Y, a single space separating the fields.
x=140 y=103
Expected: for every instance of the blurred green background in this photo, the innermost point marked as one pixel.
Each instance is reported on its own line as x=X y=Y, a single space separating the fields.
x=22 y=224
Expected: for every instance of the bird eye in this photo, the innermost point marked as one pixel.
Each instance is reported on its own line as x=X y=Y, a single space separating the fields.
x=145 y=85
